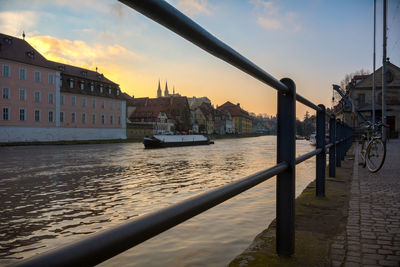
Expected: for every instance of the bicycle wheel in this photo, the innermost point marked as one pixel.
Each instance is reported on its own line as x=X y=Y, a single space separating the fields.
x=375 y=155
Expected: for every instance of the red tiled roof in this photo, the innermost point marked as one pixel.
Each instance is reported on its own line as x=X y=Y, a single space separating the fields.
x=151 y=107
x=234 y=110
x=16 y=49
x=19 y=50
x=80 y=72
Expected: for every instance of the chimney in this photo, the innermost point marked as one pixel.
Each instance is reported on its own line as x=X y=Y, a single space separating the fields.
x=238 y=104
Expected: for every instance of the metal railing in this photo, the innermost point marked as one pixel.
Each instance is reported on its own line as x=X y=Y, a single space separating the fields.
x=102 y=246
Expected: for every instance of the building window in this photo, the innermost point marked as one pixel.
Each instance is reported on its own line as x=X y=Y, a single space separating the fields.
x=71 y=83
x=51 y=78
x=51 y=116
x=38 y=76
x=22 y=74
x=103 y=119
x=101 y=88
x=6 y=114
x=37 y=97
x=82 y=85
x=6 y=93
x=83 y=118
x=361 y=99
x=51 y=98
x=103 y=104
x=62 y=100
x=109 y=91
x=22 y=94
x=94 y=118
x=111 y=120
x=37 y=115
x=117 y=92
x=111 y=105
x=73 y=117
x=93 y=103
x=92 y=87
x=22 y=114
x=73 y=100
x=84 y=102
x=6 y=71
x=61 y=116
x=119 y=120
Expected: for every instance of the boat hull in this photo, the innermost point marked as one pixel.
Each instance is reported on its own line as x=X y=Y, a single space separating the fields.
x=159 y=142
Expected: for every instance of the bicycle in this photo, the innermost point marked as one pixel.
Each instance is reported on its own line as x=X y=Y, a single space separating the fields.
x=373 y=149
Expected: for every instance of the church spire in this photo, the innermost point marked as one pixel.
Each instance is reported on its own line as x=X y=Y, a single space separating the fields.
x=159 y=93
x=166 y=93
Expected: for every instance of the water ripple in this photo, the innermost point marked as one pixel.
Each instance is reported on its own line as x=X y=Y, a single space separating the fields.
x=52 y=195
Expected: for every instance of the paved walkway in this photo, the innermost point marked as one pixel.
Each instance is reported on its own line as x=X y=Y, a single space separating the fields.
x=372 y=236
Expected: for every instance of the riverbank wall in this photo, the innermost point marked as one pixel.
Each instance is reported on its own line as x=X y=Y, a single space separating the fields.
x=109 y=141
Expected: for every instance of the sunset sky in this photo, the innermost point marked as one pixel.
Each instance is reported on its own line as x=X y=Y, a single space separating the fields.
x=313 y=42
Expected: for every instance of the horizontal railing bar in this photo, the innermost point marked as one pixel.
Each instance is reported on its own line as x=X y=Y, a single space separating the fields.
x=107 y=244
x=306 y=102
x=328 y=146
x=339 y=141
x=308 y=155
x=173 y=19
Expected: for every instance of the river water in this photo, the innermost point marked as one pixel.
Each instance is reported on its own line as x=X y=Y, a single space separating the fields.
x=53 y=195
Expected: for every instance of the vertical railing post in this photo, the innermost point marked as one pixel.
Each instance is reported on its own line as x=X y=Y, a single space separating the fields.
x=339 y=145
x=321 y=157
x=343 y=147
x=285 y=183
x=348 y=140
x=332 y=140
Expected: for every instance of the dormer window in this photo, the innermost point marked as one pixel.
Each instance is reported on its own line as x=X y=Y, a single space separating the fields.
x=62 y=68
x=71 y=83
x=30 y=54
x=109 y=91
x=84 y=73
x=91 y=87
x=101 y=88
x=117 y=92
x=7 y=40
x=82 y=85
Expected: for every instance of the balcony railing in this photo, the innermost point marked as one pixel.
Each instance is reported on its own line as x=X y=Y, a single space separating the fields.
x=102 y=246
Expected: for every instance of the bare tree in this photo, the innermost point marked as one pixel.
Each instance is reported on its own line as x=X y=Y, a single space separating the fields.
x=343 y=84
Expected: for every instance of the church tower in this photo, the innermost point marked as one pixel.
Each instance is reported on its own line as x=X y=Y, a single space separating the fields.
x=166 y=93
x=159 y=93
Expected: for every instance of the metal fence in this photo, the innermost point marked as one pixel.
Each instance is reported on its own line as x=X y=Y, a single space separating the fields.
x=102 y=246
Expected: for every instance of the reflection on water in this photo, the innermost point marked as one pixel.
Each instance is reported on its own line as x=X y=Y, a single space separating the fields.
x=53 y=195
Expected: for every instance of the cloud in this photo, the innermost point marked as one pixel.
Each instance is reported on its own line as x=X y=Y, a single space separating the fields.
x=268 y=23
x=271 y=17
x=194 y=7
x=115 y=61
x=13 y=23
x=79 y=52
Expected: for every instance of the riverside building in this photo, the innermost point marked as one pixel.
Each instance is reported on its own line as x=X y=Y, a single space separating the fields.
x=42 y=100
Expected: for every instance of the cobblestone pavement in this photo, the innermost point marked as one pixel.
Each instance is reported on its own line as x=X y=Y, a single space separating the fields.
x=372 y=236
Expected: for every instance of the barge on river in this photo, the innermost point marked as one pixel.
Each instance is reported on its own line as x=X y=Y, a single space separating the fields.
x=159 y=141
